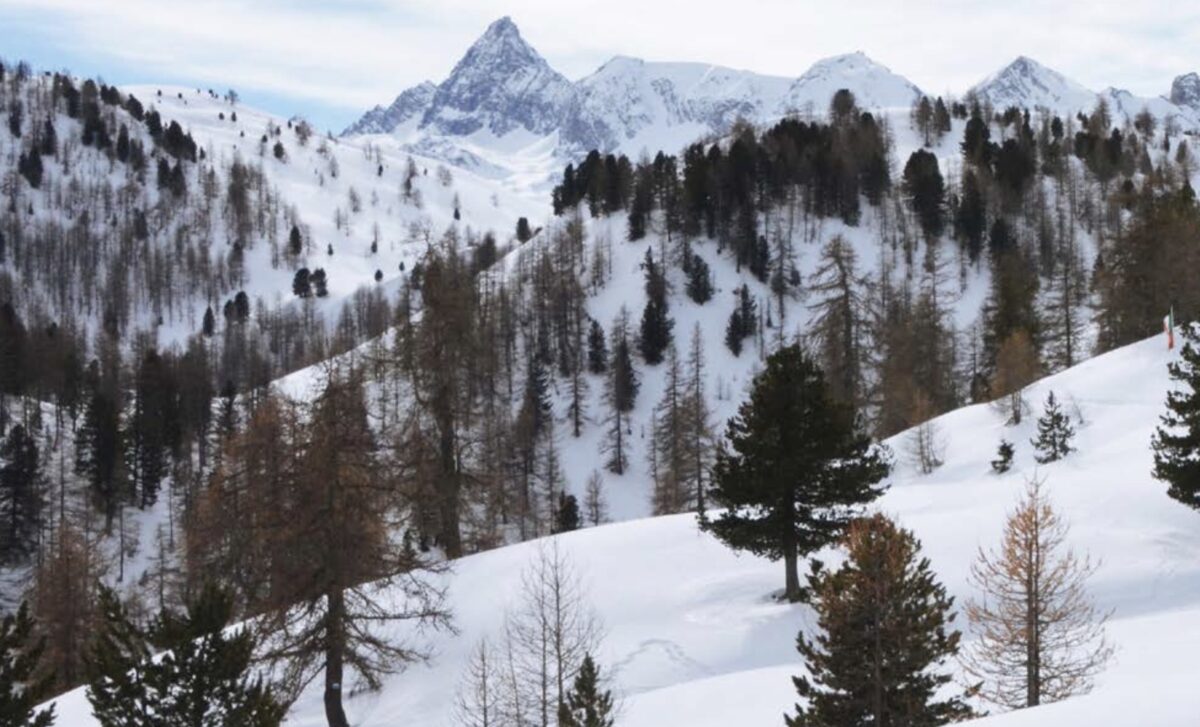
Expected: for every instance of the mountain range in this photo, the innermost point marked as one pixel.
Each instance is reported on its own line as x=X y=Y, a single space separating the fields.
x=503 y=110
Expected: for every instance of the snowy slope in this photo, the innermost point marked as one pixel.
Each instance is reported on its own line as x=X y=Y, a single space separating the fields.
x=316 y=180
x=695 y=638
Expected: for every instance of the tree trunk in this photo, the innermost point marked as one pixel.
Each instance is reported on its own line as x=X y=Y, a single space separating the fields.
x=451 y=535
x=335 y=715
x=791 y=591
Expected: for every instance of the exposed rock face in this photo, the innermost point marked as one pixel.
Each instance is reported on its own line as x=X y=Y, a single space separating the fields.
x=1185 y=91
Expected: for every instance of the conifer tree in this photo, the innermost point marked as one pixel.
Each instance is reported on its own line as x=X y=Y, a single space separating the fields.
x=621 y=393
x=838 y=321
x=655 y=334
x=295 y=242
x=796 y=468
x=21 y=688
x=926 y=191
x=199 y=679
x=886 y=636
x=1176 y=443
x=20 y=494
x=301 y=284
x=597 y=354
x=1041 y=638
x=699 y=285
x=567 y=516
x=1055 y=432
x=1004 y=457
x=586 y=704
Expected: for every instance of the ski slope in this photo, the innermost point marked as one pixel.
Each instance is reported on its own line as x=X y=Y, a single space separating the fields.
x=693 y=633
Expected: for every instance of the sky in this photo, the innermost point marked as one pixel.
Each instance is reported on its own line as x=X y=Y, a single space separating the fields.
x=330 y=60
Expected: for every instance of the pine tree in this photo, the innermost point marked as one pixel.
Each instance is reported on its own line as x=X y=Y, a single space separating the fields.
x=301 y=284
x=20 y=494
x=1176 y=442
x=699 y=285
x=798 y=469
x=742 y=322
x=655 y=334
x=621 y=394
x=295 y=242
x=524 y=233
x=200 y=679
x=567 y=516
x=1055 y=433
x=926 y=191
x=886 y=635
x=21 y=689
x=1004 y=457
x=597 y=354
x=586 y=705
x=209 y=326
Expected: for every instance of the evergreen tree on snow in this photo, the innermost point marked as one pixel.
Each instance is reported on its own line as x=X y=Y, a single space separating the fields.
x=1176 y=443
x=587 y=705
x=20 y=688
x=1055 y=433
x=1004 y=457
x=886 y=636
x=796 y=468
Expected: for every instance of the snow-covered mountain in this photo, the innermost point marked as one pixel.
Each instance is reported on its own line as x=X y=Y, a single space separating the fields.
x=1029 y=84
x=1185 y=91
x=874 y=85
x=1025 y=83
x=503 y=111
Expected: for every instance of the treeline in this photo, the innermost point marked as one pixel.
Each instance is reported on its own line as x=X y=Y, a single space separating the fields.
x=1060 y=212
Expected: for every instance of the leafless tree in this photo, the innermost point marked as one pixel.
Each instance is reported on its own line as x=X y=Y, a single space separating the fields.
x=1040 y=636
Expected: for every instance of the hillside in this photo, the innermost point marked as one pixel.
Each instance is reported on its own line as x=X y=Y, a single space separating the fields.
x=695 y=638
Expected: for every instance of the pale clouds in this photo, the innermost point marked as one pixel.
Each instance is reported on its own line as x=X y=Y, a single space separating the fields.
x=344 y=56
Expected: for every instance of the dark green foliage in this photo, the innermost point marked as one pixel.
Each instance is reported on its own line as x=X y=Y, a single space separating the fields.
x=1055 y=433
x=524 y=233
x=886 y=636
x=796 y=466
x=48 y=143
x=16 y=115
x=970 y=221
x=1004 y=457
x=625 y=382
x=20 y=689
x=656 y=326
x=301 y=284
x=98 y=448
x=742 y=322
x=30 y=167
x=295 y=242
x=20 y=494
x=153 y=427
x=977 y=146
x=1176 y=443
x=209 y=327
x=320 y=283
x=699 y=286
x=926 y=191
x=199 y=680
x=13 y=344
x=279 y=151
x=566 y=518
x=597 y=353
x=586 y=705
x=1152 y=270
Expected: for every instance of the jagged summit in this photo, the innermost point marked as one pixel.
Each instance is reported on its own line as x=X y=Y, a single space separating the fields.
x=1185 y=91
x=1027 y=83
x=500 y=84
